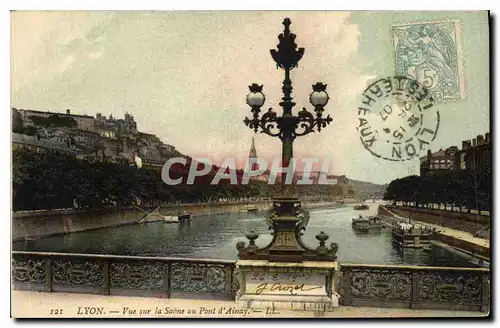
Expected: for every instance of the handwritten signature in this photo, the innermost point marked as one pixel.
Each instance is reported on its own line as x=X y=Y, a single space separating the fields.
x=293 y=289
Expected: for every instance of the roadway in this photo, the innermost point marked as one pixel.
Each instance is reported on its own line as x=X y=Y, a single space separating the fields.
x=64 y=305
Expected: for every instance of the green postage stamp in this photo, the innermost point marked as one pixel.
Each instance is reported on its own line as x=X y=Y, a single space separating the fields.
x=430 y=53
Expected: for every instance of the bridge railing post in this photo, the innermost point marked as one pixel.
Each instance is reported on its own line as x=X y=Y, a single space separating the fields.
x=106 y=283
x=485 y=292
x=166 y=278
x=228 y=274
x=48 y=274
x=414 y=291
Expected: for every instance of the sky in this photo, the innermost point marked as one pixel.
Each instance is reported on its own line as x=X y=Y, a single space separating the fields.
x=184 y=76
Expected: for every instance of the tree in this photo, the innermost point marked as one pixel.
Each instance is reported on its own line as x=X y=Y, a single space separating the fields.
x=17 y=121
x=458 y=188
x=54 y=120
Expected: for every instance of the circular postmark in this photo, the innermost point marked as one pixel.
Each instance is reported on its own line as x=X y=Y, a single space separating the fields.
x=397 y=119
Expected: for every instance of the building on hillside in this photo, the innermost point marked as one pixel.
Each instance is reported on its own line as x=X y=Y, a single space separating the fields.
x=152 y=163
x=106 y=127
x=314 y=176
x=26 y=114
x=39 y=145
x=149 y=139
x=109 y=138
x=127 y=125
x=166 y=151
x=440 y=161
x=110 y=147
x=475 y=153
x=151 y=157
x=344 y=183
x=84 y=121
x=150 y=152
x=87 y=138
x=62 y=135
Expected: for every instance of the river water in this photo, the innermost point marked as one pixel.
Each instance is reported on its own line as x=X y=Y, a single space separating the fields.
x=215 y=237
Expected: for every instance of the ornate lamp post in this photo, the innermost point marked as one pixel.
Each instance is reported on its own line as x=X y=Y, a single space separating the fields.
x=287 y=219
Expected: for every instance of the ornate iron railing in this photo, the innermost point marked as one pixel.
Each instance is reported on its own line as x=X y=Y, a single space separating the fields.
x=123 y=275
x=415 y=287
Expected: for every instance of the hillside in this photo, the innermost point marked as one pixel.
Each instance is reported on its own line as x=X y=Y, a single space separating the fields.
x=363 y=188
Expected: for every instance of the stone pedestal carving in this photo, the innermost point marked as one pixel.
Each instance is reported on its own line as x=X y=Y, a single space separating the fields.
x=287 y=274
x=307 y=286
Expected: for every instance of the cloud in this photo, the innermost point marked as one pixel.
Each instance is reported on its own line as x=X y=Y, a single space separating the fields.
x=66 y=63
x=95 y=55
x=47 y=43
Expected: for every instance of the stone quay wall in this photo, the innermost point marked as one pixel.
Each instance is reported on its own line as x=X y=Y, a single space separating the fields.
x=203 y=209
x=455 y=220
x=36 y=224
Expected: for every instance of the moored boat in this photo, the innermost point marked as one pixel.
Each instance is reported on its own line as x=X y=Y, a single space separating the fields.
x=171 y=219
x=371 y=223
x=361 y=207
x=249 y=208
x=184 y=217
x=411 y=235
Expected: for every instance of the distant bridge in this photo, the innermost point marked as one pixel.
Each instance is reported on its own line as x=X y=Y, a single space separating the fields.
x=369 y=196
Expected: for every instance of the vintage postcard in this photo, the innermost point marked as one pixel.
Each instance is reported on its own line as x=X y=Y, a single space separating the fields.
x=250 y=164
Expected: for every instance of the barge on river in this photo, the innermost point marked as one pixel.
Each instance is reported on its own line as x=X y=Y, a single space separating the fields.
x=409 y=235
x=371 y=223
x=361 y=207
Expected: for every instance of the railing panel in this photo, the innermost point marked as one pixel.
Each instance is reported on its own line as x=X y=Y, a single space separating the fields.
x=141 y=278
x=198 y=278
x=448 y=287
x=137 y=275
x=381 y=284
x=415 y=287
x=30 y=273
x=78 y=275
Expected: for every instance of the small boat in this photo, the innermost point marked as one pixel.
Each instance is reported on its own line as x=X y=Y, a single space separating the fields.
x=171 y=219
x=371 y=223
x=361 y=207
x=184 y=217
x=249 y=208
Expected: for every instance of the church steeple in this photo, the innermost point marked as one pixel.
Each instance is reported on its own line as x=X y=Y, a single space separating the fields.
x=253 y=151
x=252 y=155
